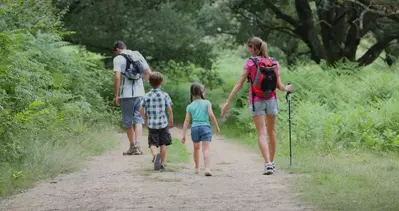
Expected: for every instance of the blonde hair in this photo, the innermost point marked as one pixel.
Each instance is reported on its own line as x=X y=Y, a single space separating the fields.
x=259 y=46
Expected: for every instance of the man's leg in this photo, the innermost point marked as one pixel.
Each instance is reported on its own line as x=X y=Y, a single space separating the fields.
x=127 y=122
x=138 y=122
x=138 y=131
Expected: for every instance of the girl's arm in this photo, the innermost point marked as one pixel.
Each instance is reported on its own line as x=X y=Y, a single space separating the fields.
x=187 y=121
x=213 y=118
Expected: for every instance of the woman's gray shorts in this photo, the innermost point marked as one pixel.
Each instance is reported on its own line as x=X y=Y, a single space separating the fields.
x=264 y=107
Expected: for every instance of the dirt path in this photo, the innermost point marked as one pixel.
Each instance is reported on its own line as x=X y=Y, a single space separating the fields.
x=114 y=182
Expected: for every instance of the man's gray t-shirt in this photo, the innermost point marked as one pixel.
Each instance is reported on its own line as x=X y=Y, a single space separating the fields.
x=127 y=89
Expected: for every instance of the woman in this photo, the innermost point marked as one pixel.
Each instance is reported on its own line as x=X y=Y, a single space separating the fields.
x=263 y=109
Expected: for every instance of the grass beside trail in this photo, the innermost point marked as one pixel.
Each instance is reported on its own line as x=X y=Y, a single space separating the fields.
x=339 y=180
x=44 y=159
x=177 y=152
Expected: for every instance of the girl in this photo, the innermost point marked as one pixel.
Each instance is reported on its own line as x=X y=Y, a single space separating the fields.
x=265 y=110
x=199 y=112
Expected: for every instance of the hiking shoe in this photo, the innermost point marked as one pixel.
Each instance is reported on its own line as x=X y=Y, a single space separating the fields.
x=130 y=151
x=197 y=171
x=138 y=151
x=157 y=162
x=162 y=168
x=208 y=172
x=268 y=169
x=274 y=167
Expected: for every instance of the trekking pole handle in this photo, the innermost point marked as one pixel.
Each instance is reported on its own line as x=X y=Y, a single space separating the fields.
x=288 y=92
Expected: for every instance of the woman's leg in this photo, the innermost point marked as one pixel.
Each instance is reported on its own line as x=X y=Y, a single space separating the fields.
x=259 y=121
x=271 y=133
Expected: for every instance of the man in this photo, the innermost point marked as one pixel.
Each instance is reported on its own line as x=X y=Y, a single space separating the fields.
x=128 y=95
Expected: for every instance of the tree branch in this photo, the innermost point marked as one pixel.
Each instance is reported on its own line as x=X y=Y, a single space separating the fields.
x=382 y=13
x=282 y=29
x=280 y=14
x=375 y=50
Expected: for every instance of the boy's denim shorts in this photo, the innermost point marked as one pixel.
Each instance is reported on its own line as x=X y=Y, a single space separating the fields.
x=201 y=133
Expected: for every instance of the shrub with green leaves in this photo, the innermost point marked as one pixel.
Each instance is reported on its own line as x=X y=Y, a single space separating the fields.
x=52 y=99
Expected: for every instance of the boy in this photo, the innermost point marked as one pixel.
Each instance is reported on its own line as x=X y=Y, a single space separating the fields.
x=153 y=107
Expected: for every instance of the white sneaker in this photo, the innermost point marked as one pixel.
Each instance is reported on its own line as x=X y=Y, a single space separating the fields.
x=208 y=172
x=268 y=169
x=197 y=171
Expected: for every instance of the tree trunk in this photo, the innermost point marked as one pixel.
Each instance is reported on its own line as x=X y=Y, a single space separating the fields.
x=307 y=31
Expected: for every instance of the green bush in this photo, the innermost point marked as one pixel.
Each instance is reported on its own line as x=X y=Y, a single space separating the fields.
x=52 y=105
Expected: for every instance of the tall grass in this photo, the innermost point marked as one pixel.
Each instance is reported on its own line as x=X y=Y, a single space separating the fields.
x=45 y=158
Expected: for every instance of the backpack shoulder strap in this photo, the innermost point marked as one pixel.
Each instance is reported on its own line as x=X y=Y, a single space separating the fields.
x=255 y=60
x=127 y=57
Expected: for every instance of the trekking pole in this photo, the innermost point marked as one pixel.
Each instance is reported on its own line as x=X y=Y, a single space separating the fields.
x=288 y=98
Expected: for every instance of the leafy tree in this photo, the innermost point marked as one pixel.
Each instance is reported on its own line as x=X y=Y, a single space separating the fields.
x=161 y=30
x=331 y=30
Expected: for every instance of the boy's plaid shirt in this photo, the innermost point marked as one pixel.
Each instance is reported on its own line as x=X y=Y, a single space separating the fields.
x=155 y=103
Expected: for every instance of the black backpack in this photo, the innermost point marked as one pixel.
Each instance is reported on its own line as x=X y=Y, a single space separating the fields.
x=134 y=69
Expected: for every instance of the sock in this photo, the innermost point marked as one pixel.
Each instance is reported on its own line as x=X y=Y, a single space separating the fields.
x=137 y=143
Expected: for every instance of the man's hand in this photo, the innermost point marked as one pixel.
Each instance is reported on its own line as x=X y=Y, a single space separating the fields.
x=117 y=101
x=183 y=139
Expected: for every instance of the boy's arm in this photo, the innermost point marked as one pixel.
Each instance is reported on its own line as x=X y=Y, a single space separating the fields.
x=168 y=105
x=170 y=114
x=213 y=118
x=187 y=121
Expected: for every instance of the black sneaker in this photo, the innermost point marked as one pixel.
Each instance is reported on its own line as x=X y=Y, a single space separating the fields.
x=268 y=169
x=163 y=168
x=157 y=162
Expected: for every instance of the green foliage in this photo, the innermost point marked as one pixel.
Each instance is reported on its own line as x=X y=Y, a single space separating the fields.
x=331 y=108
x=50 y=97
x=160 y=30
x=28 y=15
x=344 y=133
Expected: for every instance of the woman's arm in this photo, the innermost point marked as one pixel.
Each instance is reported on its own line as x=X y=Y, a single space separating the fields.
x=236 y=88
x=238 y=85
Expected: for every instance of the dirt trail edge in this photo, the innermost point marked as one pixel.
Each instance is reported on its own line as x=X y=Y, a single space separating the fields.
x=116 y=182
